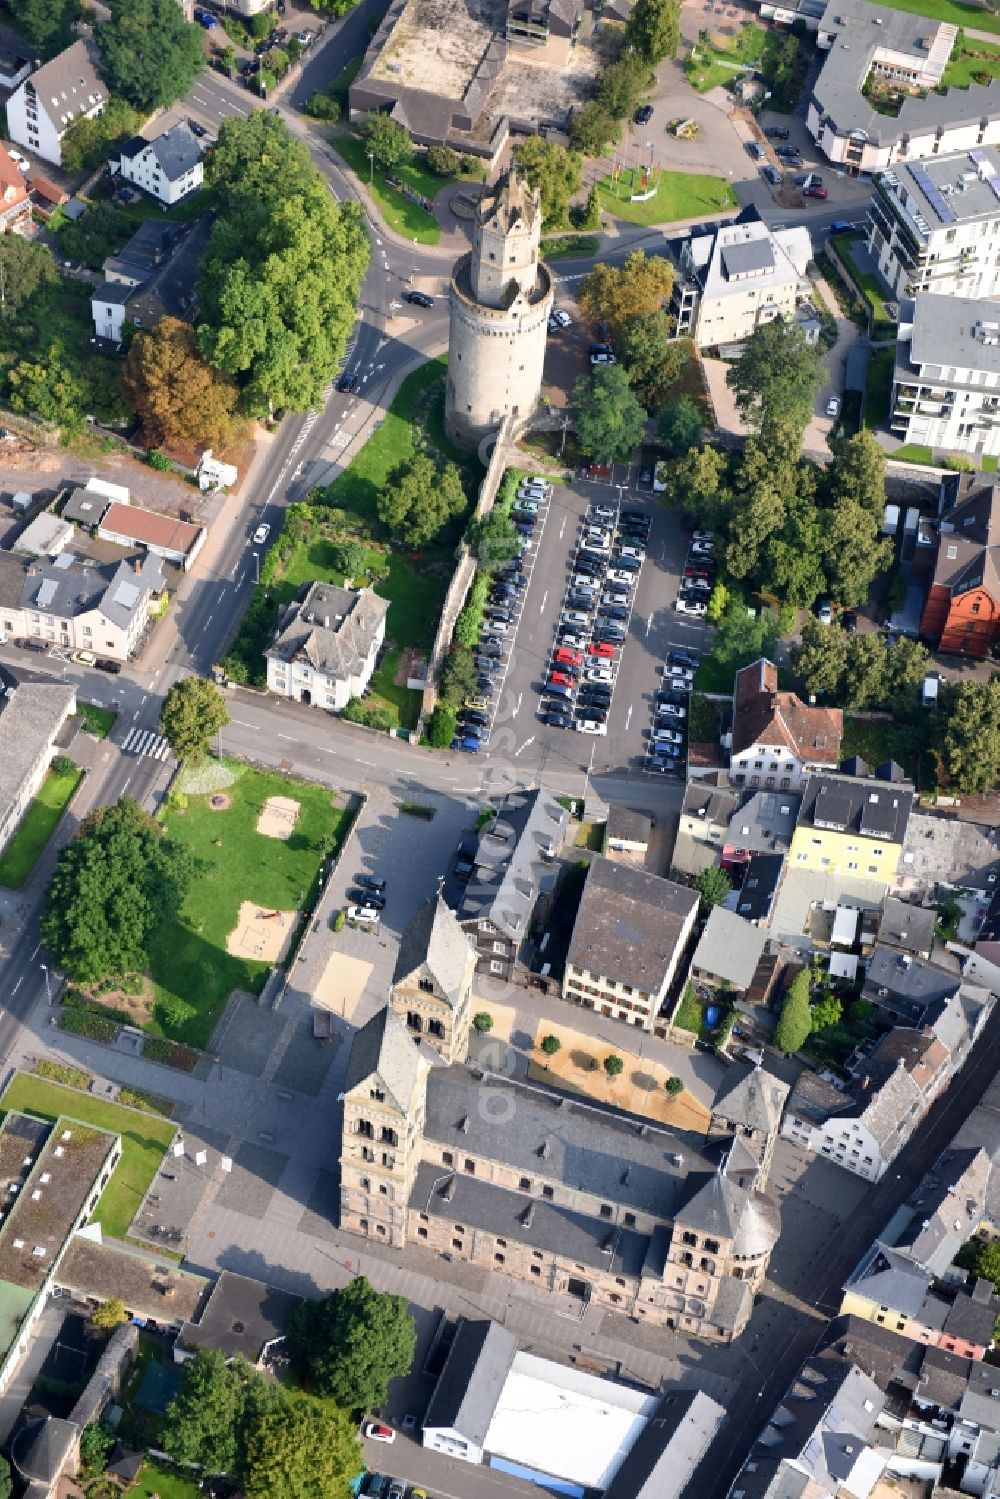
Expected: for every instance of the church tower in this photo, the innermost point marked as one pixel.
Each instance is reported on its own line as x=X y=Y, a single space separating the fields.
x=501 y=297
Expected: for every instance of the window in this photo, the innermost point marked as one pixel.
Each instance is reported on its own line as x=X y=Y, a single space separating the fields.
x=499 y=1259
x=457 y=1244
x=366 y=1129
x=447 y=1158
x=629 y=1220
x=470 y=1166
x=389 y=1136
x=536 y=1270
x=606 y=1210
x=548 y=1193
x=421 y=1233
x=427 y=986
x=525 y=1184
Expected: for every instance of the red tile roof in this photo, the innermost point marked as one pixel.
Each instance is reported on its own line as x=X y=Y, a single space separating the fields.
x=11 y=182
x=47 y=189
x=149 y=529
x=763 y=715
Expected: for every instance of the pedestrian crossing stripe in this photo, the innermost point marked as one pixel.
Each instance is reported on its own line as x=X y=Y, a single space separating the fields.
x=144 y=742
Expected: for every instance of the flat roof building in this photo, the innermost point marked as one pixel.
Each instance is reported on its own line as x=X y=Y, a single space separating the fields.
x=935 y=224
x=946 y=382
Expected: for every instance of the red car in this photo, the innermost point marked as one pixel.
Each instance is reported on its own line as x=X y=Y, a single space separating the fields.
x=814 y=192
x=602 y=649
x=560 y=679
x=568 y=657
x=698 y=572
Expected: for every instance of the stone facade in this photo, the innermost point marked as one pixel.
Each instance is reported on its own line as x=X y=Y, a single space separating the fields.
x=432 y=982
x=501 y=297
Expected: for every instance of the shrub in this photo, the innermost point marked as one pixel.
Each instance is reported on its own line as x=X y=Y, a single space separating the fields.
x=372 y=715
x=339 y=919
x=157 y=458
x=148 y=1103
x=173 y=1013
x=441 y=726
x=60 y=1072
x=795 y=1020
x=63 y=765
x=483 y=1022
x=674 y=1087
x=443 y=161
x=550 y=1045
x=417 y=809
x=614 y=1066
x=94 y=1027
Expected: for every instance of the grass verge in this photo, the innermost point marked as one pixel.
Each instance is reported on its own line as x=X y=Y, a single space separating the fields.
x=399 y=212
x=96 y=720
x=679 y=195
x=144 y=1139
x=913 y=452
x=37 y=826
x=868 y=285
x=567 y=246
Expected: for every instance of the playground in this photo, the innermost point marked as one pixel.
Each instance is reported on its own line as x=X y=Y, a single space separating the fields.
x=261 y=936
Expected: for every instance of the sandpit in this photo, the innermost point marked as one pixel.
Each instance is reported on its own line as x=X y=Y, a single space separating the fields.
x=261 y=933
x=278 y=818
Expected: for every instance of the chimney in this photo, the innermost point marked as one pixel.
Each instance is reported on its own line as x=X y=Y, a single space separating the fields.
x=136 y=565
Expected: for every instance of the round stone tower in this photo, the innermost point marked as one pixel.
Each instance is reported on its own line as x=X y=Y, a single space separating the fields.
x=501 y=297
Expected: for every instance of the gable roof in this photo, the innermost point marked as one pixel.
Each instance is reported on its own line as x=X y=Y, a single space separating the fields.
x=763 y=715
x=662 y=1460
x=384 y=1049
x=11 y=180
x=968 y=554
x=719 y=1207
x=176 y=151
x=68 y=85
x=629 y=924
x=433 y=938
x=729 y=948
x=515 y=861
x=470 y=1384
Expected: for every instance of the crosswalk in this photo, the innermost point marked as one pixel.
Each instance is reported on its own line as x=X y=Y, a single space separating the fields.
x=143 y=742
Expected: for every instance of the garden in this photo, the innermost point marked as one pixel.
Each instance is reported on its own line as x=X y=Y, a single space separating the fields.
x=679 y=195
x=868 y=284
x=39 y=822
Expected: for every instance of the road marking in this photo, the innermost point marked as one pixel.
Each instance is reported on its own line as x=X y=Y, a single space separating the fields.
x=135 y=715
x=544 y=598
x=517 y=705
x=240 y=580
x=287 y=736
x=365 y=762
x=18 y=984
x=209 y=620
x=38 y=948
x=628 y=716
x=524 y=746
x=562 y=528
x=127 y=784
x=649 y=623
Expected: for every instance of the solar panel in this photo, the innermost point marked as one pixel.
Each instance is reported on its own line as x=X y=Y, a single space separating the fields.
x=994 y=183
x=933 y=194
x=977 y=156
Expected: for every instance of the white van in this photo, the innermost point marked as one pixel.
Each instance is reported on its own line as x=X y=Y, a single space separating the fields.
x=929 y=691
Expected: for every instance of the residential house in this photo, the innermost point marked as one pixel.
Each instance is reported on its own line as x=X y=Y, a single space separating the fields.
x=946 y=385
x=14 y=68
x=706 y=809
x=728 y=951
x=46 y=104
x=962 y=613
x=748 y=1108
x=905 y=987
x=154 y=277
x=627 y=834
x=820 y=1439
x=160 y=535
x=241 y=1318
x=32 y=715
x=629 y=938
x=548 y=1191
x=763 y=823
x=742 y=275
x=15 y=205
x=493 y=1403
x=933 y=225
x=761 y=878
x=168 y=168
x=78 y=604
x=895 y=1086
x=904 y=926
x=851 y=825
x=432 y=980
x=778 y=739
x=45 y=536
x=325 y=645
x=514 y=874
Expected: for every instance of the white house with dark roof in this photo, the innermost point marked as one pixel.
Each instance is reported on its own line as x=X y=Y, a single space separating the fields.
x=50 y=100
x=31 y=716
x=741 y=276
x=168 y=168
x=325 y=645
x=946 y=381
x=79 y=605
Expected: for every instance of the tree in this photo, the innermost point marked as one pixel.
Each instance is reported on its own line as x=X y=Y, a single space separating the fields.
x=443 y=160
x=419 y=499
x=697 y=483
x=971 y=743
x=46 y=387
x=906 y=668
x=114 y=884
x=985 y=1260
x=458 y=675
x=204 y=1421
x=441 y=726
x=26 y=267
x=176 y=394
x=713 y=885
x=89 y=142
x=821 y=657
x=654 y=29
x=279 y=282
x=622 y=84
x=795 y=1020
x=193 y=712
x=351 y=1343
x=865 y=672
x=826 y=1011
x=96 y=1442
x=550 y=1045
x=614 y=1066
x=483 y=1022
x=651 y=359
x=680 y=427
x=855 y=552
x=609 y=420
x=614 y=294
x=776 y=378
x=109 y=1315
x=592 y=129
x=674 y=1087
x=389 y=142
x=857 y=473
x=46 y=25
x=149 y=53
x=494 y=540
x=553 y=171
x=300 y=1449
x=792 y=564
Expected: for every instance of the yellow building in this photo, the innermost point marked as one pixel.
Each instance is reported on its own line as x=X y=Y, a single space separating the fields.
x=852 y=825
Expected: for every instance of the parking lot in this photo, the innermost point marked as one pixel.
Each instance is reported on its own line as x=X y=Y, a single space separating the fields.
x=653 y=629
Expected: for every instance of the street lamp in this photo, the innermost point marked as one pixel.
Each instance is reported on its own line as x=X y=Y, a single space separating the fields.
x=413 y=276
x=371 y=167
x=48 y=990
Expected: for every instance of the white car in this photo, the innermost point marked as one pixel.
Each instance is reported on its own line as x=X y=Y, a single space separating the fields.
x=562 y=318
x=671 y=710
x=702 y=548
x=619 y=575
x=363 y=915
x=573 y=642
x=667 y=736
x=833 y=406
x=574 y=617
x=377 y=1431
x=702 y=536
x=635 y=553
x=679 y=673
x=691 y=606
x=584 y=583
x=600 y=674
x=261 y=534
x=591 y=726
x=597 y=359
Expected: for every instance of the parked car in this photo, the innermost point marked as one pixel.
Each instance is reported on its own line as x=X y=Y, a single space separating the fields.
x=833 y=407
x=754 y=150
x=562 y=317
x=560 y=679
x=815 y=192
x=114 y=667
x=370 y=882
x=605 y=652
x=823 y=610
x=591 y=726
x=603 y=513
x=643 y=114
x=347 y=383
x=596 y=359
x=777 y=132
x=702 y=548
x=671 y=710
x=668 y=736
x=525 y=507
x=685 y=658
x=466 y=744
x=367 y=898
x=261 y=534
x=366 y=915
x=691 y=606
x=376 y=1431
x=571 y=658
x=674 y=673
x=771 y=174
x=557 y=720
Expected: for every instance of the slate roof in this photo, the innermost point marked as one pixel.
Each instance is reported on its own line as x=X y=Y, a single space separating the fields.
x=906 y=926
x=628 y=826
x=42 y=1448
x=662 y=1460
x=385 y=1048
x=973 y=534
x=751 y=1098
x=946 y=1209
x=150 y=246
x=30 y=716
x=889 y=1278
x=434 y=938
x=12 y=575
x=515 y=861
x=472 y=1380
x=68 y=86
x=331 y=628
x=973 y=1314
x=763 y=715
x=720 y=1208
x=904 y=985
x=870 y=808
x=710 y=803
x=729 y=948
x=761 y=879
x=176 y=151
x=764 y=823
x=629 y=924
x=541 y=1136
x=240 y=1317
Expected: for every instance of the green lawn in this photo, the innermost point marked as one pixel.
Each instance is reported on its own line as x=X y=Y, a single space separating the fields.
x=988 y=464
x=953 y=11
x=868 y=285
x=37 y=826
x=679 y=195
x=914 y=452
x=880 y=739
x=144 y=1139
x=878 y=389
x=96 y=720
x=965 y=62
x=399 y=213
x=710 y=64
x=156 y=1480
x=188 y=957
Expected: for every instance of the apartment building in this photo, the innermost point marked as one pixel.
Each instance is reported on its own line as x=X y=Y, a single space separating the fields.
x=46 y=104
x=935 y=225
x=325 y=645
x=741 y=276
x=78 y=604
x=946 y=382
x=628 y=940
x=777 y=739
x=851 y=825
x=31 y=716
